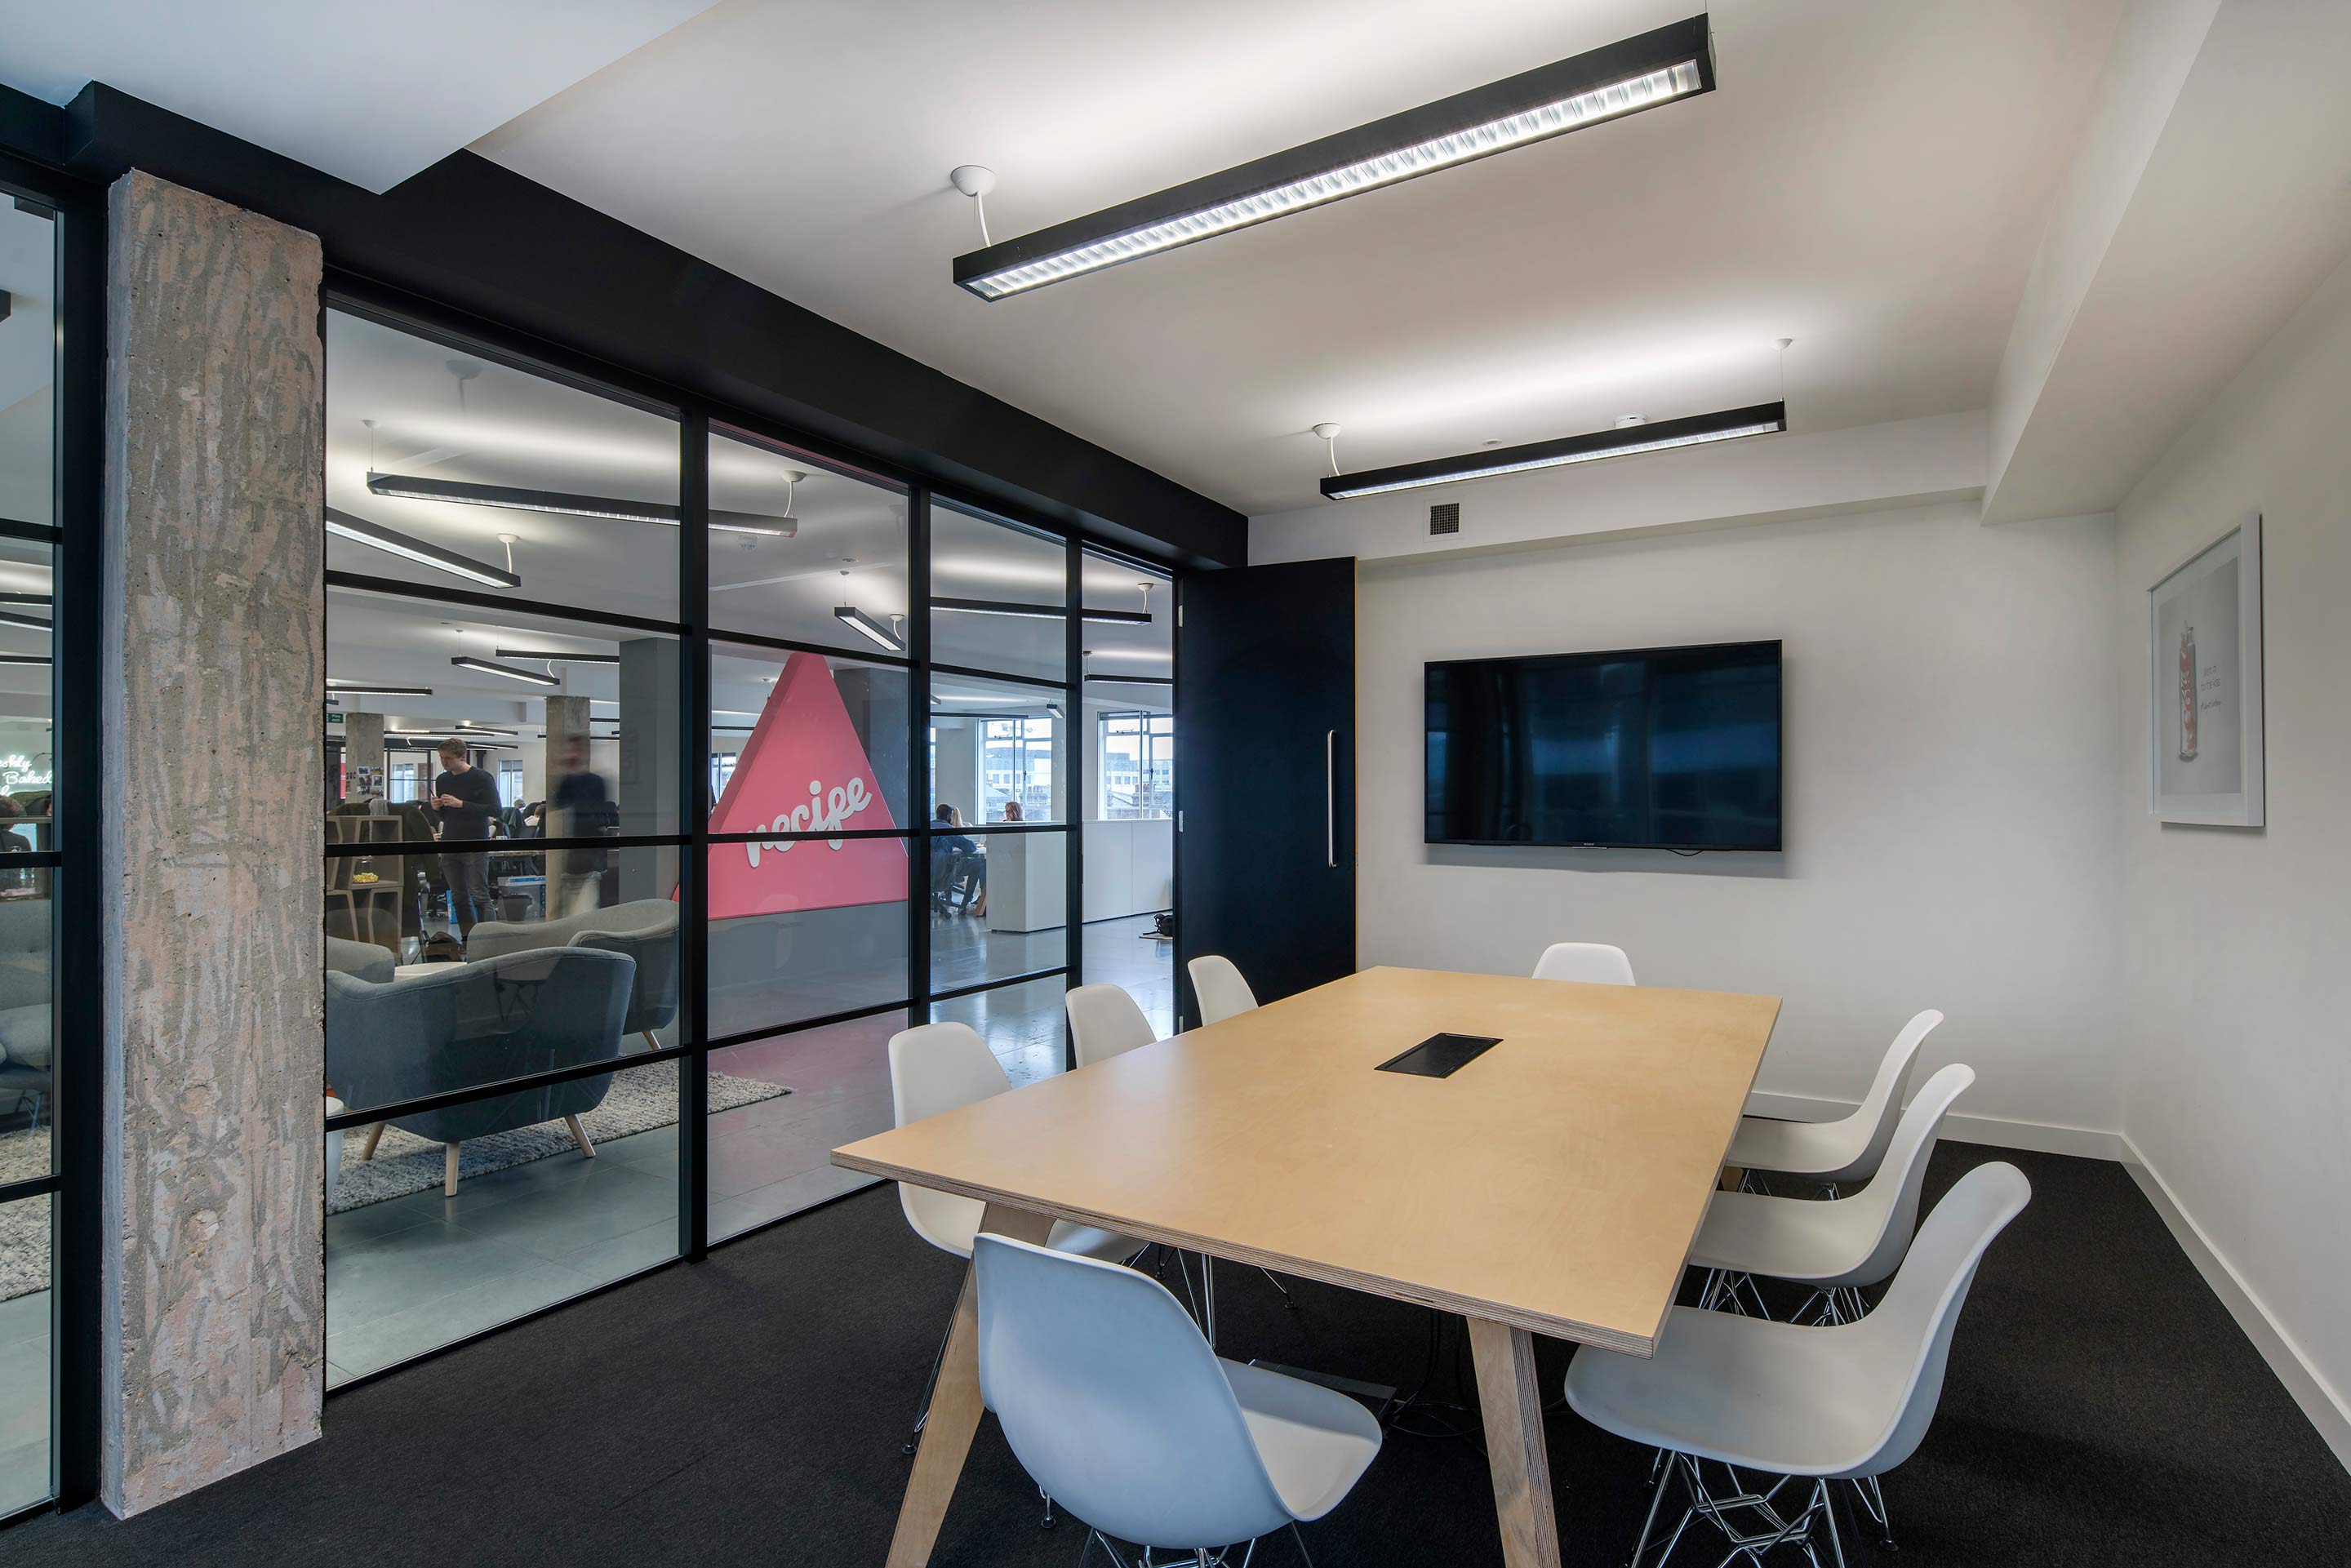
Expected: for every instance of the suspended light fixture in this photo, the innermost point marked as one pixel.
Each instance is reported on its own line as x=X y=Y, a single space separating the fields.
x=12 y=618
x=359 y=530
x=465 y=663
x=1658 y=67
x=1040 y=612
x=551 y=657
x=1762 y=419
x=849 y=615
x=373 y=689
x=461 y=493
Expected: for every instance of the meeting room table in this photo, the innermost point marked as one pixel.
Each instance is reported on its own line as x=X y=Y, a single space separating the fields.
x=1551 y=1186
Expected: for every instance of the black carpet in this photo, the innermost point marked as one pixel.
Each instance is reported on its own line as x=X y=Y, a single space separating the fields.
x=2101 y=1408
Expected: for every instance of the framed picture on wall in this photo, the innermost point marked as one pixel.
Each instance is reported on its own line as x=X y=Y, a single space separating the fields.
x=2204 y=663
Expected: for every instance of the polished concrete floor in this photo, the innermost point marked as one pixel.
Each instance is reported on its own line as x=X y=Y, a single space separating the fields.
x=412 y=1274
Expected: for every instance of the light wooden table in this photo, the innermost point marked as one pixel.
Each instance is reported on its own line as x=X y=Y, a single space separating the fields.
x=1551 y=1187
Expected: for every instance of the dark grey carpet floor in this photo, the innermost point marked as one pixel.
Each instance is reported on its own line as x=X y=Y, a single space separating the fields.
x=2101 y=1408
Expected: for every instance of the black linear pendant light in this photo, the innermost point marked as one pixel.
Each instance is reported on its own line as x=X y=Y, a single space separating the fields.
x=1042 y=611
x=1671 y=63
x=463 y=493
x=1760 y=419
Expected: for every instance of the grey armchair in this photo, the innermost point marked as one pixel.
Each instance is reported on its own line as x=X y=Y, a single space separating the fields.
x=27 y=1030
x=479 y=1023
x=645 y=929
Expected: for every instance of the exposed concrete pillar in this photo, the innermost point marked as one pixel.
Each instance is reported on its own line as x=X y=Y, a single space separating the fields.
x=567 y=752
x=650 y=738
x=363 y=754
x=876 y=701
x=214 y=1327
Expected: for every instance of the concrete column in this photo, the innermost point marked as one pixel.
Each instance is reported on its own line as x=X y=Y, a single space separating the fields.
x=650 y=738
x=213 y=1330
x=567 y=751
x=876 y=701
x=362 y=751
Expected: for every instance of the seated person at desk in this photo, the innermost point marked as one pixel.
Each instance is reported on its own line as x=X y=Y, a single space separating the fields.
x=956 y=859
x=1012 y=811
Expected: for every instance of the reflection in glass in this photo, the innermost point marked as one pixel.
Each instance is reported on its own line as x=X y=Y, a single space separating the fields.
x=835 y=577
x=26 y=1362
x=780 y=1107
x=1022 y=1024
x=557 y=699
x=802 y=742
x=419 y=1004
x=534 y=1221
x=495 y=473
x=998 y=904
x=799 y=929
x=29 y=347
x=998 y=594
x=28 y=1033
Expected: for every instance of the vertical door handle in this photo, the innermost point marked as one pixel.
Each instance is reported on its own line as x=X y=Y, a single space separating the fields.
x=1331 y=798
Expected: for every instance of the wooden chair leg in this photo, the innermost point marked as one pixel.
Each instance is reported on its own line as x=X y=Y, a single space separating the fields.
x=580 y=1137
x=374 y=1136
x=449 y=1172
x=651 y=1043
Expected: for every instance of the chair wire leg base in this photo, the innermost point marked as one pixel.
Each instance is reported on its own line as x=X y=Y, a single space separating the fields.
x=930 y=1386
x=1759 y=1526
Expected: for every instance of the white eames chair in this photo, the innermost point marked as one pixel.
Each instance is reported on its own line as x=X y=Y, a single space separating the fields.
x=1846 y=1150
x=942 y=1067
x=1593 y=963
x=1842 y=1401
x=1104 y=1022
x=1119 y=1411
x=1221 y=991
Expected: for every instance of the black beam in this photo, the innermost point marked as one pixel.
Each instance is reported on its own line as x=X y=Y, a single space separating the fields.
x=476 y=237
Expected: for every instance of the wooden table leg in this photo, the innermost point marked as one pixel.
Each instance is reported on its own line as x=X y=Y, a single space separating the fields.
x=954 y=1408
x=1512 y=1404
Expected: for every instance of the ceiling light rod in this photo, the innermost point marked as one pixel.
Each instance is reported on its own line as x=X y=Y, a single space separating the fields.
x=11 y=617
x=556 y=658
x=373 y=689
x=465 y=662
x=1040 y=612
x=23 y=658
x=344 y=526
x=413 y=488
x=24 y=598
x=849 y=615
x=1616 y=79
x=1762 y=419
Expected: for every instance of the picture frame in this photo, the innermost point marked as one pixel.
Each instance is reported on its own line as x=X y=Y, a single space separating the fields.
x=2205 y=740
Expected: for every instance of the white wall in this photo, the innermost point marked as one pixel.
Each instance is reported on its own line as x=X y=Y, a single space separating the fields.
x=1952 y=742
x=2238 y=1055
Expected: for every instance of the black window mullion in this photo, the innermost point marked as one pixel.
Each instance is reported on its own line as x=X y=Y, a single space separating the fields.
x=918 y=753
x=693 y=795
x=1073 y=762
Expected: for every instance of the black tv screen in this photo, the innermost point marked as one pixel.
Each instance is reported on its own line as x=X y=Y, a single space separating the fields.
x=1672 y=748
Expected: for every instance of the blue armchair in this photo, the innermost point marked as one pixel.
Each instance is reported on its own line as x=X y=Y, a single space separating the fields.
x=479 y=1023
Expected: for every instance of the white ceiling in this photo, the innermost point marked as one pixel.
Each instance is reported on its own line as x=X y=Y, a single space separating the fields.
x=1869 y=180
x=370 y=93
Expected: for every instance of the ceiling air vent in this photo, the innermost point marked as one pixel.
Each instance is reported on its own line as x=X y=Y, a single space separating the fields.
x=1444 y=517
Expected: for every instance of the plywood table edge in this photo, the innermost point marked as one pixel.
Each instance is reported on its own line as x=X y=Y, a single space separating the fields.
x=1619 y=1339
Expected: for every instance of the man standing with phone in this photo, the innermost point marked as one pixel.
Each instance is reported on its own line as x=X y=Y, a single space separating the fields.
x=467 y=798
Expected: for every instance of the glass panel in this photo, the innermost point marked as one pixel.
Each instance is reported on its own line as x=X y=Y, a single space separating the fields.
x=998 y=906
x=28 y=341
x=28 y=1370
x=998 y=594
x=464 y=456
x=819 y=739
x=802 y=929
x=27 y=1035
x=534 y=1221
x=450 y=971
x=832 y=572
x=26 y=684
x=611 y=695
x=997 y=752
x=1023 y=1024
x=780 y=1107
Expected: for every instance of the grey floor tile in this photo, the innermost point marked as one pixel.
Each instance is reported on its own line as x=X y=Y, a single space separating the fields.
x=549 y=1224
x=732 y=1214
x=395 y=1337
x=408 y=1268
x=625 y=1254
x=24 y=1317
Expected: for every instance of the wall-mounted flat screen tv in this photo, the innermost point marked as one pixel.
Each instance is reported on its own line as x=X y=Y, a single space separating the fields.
x=1675 y=748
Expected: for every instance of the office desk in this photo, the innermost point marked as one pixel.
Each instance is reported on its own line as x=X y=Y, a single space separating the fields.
x=1551 y=1186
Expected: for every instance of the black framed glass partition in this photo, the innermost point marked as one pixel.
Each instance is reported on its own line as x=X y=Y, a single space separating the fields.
x=715 y=690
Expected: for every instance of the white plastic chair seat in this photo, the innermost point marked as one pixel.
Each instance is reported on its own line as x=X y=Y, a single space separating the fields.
x=1764 y=1396
x=1818 y=1149
x=1316 y=1444
x=1786 y=1238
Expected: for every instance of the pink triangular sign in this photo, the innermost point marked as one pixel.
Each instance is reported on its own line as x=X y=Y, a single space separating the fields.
x=803 y=771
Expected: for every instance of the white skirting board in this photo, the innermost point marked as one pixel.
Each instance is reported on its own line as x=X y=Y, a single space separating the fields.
x=2324 y=1404
x=2325 y=1407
